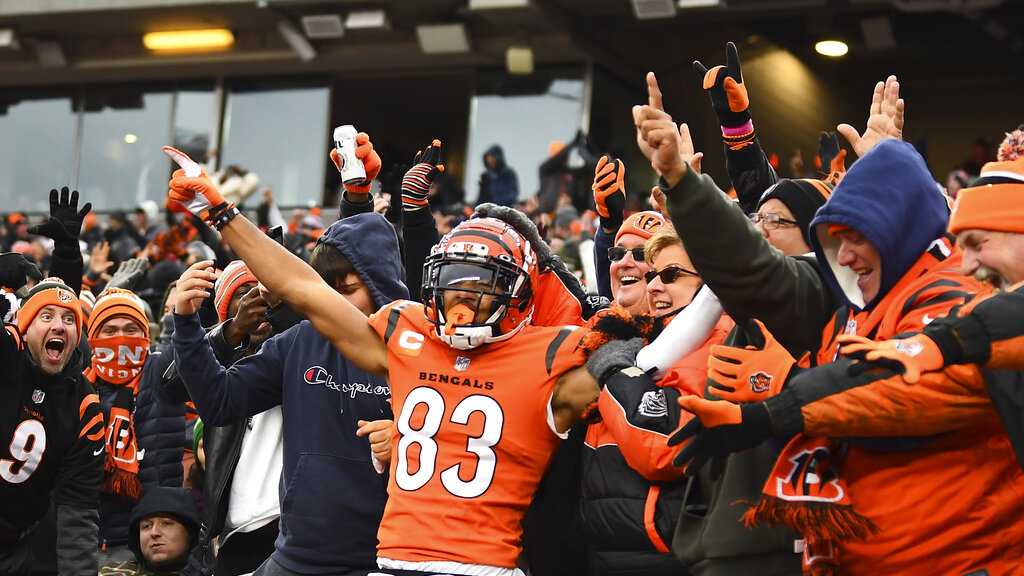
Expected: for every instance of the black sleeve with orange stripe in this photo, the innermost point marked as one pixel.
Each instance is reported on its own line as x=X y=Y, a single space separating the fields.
x=991 y=333
x=81 y=472
x=77 y=493
x=750 y=172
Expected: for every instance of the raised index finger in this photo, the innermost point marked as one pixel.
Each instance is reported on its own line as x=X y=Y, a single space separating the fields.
x=653 y=92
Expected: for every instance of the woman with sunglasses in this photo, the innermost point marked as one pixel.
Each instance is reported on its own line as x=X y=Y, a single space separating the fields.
x=631 y=494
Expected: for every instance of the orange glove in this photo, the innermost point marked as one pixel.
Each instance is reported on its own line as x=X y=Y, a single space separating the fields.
x=610 y=191
x=369 y=158
x=916 y=354
x=749 y=374
x=191 y=187
x=719 y=428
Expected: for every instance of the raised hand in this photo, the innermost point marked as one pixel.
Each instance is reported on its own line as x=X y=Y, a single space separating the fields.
x=417 y=181
x=99 y=259
x=193 y=287
x=885 y=118
x=370 y=159
x=65 y=223
x=192 y=188
x=724 y=85
x=686 y=148
x=128 y=274
x=15 y=270
x=610 y=191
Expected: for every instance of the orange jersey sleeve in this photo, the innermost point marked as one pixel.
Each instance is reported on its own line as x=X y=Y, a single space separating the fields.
x=940 y=402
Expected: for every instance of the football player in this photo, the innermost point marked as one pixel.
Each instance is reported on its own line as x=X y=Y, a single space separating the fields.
x=481 y=397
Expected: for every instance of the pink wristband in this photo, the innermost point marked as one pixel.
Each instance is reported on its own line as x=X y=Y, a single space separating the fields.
x=741 y=130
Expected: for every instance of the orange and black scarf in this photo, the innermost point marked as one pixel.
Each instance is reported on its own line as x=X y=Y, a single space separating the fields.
x=806 y=492
x=121 y=467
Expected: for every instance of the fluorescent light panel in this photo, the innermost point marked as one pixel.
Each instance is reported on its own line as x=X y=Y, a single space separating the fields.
x=497 y=4
x=207 y=39
x=367 y=20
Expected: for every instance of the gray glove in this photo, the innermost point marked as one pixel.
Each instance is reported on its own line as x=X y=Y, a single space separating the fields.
x=521 y=223
x=612 y=357
x=128 y=274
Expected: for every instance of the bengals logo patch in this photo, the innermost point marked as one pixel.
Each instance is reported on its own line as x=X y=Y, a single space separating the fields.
x=760 y=382
x=811 y=479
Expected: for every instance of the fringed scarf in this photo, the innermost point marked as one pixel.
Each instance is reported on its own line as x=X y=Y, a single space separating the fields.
x=806 y=492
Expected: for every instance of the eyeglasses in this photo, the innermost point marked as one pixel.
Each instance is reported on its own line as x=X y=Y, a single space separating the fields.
x=669 y=274
x=772 y=221
x=616 y=253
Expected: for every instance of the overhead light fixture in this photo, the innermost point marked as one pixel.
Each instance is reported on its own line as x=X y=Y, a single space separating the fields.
x=832 y=48
x=652 y=9
x=519 y=60
x=497 y=4
x=187 y=40
x=442 y=38
x=686 y=4
x=367 y=20
x=296 y=40
x=8 y=39
x=323 y=26
x=130 y=138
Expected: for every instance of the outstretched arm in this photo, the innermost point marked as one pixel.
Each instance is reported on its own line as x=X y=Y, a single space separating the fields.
x=286 y=275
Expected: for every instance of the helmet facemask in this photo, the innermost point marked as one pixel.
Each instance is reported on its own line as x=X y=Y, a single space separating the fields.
x=479 y=285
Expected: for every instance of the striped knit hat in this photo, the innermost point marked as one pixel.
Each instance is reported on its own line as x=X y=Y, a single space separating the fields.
x=995 y=201
x=51 y=291
x=234 y=276
x=114 y=302
x=88 y=301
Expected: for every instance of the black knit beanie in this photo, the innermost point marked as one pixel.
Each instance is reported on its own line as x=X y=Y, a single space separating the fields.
x=803 y=198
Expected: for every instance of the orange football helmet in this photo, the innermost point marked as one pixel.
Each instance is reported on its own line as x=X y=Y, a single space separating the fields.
x=485 y=257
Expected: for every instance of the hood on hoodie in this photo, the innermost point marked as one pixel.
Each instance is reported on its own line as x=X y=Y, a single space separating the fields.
x=890 y=197
x=369 y=242
x=499 y=157
x=175 y=502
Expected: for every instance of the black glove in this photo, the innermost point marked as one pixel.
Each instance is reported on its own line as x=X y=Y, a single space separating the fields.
x=522 y=224
x=724 y=85
x=128 y=274
x=15 y=270
x=65 y=223
x=730 y=428
x=612 y=357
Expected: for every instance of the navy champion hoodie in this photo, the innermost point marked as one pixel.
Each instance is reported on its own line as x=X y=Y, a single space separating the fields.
x=890 y=197
x=332 y=499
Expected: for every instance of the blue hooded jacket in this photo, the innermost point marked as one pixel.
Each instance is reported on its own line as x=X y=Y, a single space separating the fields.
x=501 y=182
x=890 y=197
x=332 y=499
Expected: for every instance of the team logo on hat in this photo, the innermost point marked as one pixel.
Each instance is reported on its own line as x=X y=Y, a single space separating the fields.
x=64 y=297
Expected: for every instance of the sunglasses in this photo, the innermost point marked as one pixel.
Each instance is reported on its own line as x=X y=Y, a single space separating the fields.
x=616 y=253
x=669 y=274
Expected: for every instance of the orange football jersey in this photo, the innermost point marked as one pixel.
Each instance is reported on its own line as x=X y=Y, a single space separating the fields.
x=475 y=435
